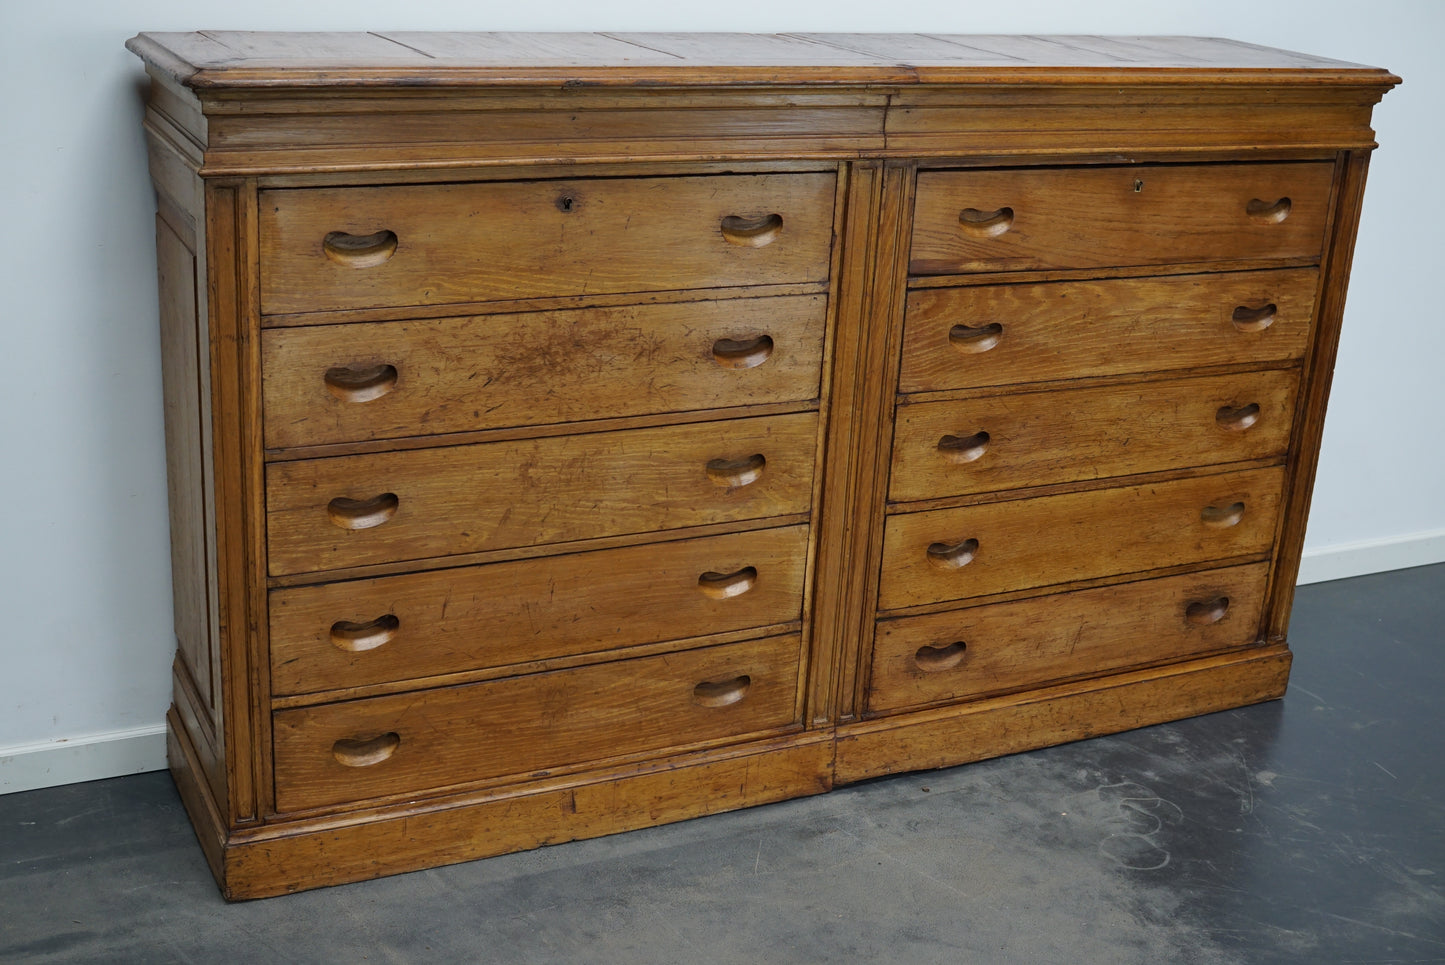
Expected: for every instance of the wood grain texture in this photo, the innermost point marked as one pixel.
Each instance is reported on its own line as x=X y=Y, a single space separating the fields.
x=1056 y=715
x=1068 y=329
x=1055 y=539
x=538 y=368
x=464 y=243
x=494 y=495
x=998 y=442
x=1108 y=216
x=1035 y=642
x=531 y=724
x=508 y=613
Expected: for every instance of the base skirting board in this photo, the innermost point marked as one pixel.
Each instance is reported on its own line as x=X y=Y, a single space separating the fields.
x=92 y=757
x=1367 y=556
x=25 y=767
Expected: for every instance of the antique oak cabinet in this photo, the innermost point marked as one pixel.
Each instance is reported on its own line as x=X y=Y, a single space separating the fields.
x=576 y=432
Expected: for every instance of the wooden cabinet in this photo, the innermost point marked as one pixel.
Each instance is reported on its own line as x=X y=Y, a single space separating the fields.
x=573 y=433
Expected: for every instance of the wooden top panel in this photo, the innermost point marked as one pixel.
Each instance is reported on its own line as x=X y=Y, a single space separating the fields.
x=237 y=59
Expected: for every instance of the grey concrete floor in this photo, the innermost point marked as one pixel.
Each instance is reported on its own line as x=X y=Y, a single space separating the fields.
x=1305 y=830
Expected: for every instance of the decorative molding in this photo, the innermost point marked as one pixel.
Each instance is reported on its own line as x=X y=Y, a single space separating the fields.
x=25 y=767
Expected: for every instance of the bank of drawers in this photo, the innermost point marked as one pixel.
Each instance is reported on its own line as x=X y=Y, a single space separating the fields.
x=433 y=625
x=1073 y=458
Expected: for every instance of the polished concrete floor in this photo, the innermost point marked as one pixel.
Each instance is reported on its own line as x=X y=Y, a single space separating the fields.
x=1307 y=830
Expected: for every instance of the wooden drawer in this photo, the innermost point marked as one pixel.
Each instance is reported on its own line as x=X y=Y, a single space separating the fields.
x=952 y=554
x=1101 y=217
x=343 y=383
x=352 y=510
x=1036 y=438
x=347 y=248
x=957 y=338
x=1026 y=643
x=524 y=726
x=402 y=627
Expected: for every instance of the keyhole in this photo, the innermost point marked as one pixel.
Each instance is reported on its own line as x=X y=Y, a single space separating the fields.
x=1138 y=185
x=565 y=202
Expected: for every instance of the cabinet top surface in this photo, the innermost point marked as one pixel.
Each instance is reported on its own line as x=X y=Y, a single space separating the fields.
x=211 y=59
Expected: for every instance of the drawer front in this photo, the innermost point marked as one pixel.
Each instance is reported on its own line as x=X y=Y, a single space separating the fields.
x=960 y=338
x=348 y=248
x=953 y=554
x=1028 y=643
x=344 y=383
x=401 y=627
x=354 y=510
x=1033 y=439
x=1118 y=216
x=523 y=726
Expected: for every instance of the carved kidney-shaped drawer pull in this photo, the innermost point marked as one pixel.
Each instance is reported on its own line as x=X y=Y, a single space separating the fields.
x=733 y=473
x=721 y=693
x=722 y=586
x=747 y=353
x=364 y=753
x=351 y=513
x=975 y=340
x=961 y=449
x=360 y=383
x=937 y=657
x=1268 y=212
x=952 y=556
x=1202 y=613
x=359 y=251
x=986 y=224
x=1237 y=418
x=752 y=232
x=1248 y=319
x=360 y=637
x=1222 y=517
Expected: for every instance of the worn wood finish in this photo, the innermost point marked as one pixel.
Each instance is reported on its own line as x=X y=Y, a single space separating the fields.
x=337 y=635
x=476 y=242
x=998 y=442
x=1061 y=330
x=1054 y=539
x=1001 y=647
x=350 y=510
x=1110 y=216
x=560 y=444
x=533 y=723
x=343 y=383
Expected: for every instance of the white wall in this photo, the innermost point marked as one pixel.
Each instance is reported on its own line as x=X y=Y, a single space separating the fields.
x=85 y=640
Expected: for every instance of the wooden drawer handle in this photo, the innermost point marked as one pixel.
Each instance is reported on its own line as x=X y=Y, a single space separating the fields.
x=721 y=586
x=359 y=637
x=986 y=224
x=362 y=513
x=1237 y=418
x=365 y=753
x=360 y=383
x=936 y=657
x=733 y=473
x=1248 y=319
x=723 y=692
x=359 y=251
x=1201 y=613
x=952 y=556
x=1268 y=212
x=1222 y=517
x=733 y=353
x=974 y=340
x=752 y=232
x=961 y=449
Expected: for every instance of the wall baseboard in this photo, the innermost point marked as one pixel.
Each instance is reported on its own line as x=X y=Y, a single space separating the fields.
x=1366 y=556
x=25 y=767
